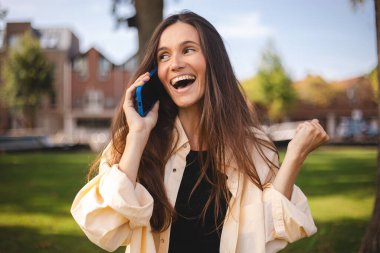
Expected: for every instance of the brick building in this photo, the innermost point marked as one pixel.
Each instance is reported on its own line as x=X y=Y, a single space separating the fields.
x=87 y=85
x=97 y=86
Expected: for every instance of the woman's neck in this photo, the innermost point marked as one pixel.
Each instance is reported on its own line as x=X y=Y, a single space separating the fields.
x=190 y=118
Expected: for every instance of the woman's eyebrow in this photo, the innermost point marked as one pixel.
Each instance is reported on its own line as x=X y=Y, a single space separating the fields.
x=189 y=42
x=162 y=49
x=181 y=44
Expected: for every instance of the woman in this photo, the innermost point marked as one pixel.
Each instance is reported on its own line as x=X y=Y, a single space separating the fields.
x=195 y=174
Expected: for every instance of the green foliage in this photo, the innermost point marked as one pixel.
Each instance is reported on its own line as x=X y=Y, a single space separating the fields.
x=27 y=75
x=315 y=90
x=250 y=87
x=271 y=87
x=375 y=83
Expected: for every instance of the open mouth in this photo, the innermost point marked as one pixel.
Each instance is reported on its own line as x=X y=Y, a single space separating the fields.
x=182 y=81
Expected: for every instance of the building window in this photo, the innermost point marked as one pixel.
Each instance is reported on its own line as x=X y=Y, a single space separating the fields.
x=109 y=103
x=104 y=66
x=13 y=39
x=49 y=40
x=94 y=101
x=77 y=103
x=81 y=67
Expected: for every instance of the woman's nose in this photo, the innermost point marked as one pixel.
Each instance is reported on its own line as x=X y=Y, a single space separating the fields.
x=177 y=63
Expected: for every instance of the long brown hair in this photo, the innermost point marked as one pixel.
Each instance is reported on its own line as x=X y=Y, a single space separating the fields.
x=226 y=126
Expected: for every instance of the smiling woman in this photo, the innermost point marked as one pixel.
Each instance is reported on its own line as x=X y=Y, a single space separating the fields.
x=182 y=65
x=196 y=174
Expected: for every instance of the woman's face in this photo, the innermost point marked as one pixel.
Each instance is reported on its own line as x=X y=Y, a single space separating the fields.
x=182 y=65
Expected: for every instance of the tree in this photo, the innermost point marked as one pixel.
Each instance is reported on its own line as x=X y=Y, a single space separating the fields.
x=371 y=240
x=144 y=15
x=374 y=82
x=271 y=87
x=316 y=91
x=27 y=77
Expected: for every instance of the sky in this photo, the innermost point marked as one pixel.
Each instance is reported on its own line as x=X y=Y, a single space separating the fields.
x=324 y=37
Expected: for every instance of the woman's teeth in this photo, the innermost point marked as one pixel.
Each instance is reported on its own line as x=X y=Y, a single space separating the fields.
x=182 y=81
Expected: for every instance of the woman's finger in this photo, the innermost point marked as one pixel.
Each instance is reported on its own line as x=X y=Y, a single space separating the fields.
x=322 y=131
x=141 y=78
x=299 y=127
x=154 y=111
x=315 y=122
x=130 y=92
x=140 y=81
x=156 y=106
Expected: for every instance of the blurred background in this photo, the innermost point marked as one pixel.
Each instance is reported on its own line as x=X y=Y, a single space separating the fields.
x=65 y=65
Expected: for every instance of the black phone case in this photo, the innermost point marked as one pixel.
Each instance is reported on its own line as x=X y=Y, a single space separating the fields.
x=148 y=94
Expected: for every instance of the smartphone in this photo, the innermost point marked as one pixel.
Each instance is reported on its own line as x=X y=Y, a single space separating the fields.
x=148 y=93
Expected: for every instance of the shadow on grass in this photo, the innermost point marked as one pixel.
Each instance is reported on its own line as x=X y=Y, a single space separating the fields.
x=23 y=239
x=42 y=183
x=323 y=175
x=342 y=236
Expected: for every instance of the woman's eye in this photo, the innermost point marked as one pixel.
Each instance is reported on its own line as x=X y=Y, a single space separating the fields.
x=189 y=50
x=162 y=57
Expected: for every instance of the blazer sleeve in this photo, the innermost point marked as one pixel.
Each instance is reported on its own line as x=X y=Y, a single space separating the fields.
x=109 y=207
x=285 y=219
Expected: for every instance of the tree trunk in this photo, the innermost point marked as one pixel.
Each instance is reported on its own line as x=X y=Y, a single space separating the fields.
x=371 y=240
x=149 y=14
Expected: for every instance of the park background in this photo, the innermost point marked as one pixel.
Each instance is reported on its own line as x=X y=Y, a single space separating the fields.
x=317 y=60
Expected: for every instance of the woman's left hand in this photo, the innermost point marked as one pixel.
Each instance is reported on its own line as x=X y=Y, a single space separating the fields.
x=309 y=136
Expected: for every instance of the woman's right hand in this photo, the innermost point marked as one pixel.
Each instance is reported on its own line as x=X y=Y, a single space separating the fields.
x=136 y=123
x=139 y=131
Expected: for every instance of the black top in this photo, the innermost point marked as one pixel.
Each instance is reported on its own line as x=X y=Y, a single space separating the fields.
x=189 y=233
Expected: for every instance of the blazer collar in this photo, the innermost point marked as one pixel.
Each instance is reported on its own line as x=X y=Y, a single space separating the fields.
x=183 y=141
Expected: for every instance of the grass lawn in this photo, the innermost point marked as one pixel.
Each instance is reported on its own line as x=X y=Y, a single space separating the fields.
x=37 y=189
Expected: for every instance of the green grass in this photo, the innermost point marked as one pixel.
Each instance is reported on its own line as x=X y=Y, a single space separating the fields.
x=340 y=186
x=37 y=190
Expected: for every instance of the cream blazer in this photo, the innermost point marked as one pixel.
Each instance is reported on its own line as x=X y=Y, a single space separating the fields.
x=113 y=213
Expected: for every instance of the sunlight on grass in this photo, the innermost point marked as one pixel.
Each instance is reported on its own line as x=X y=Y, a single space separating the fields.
x=336 y=207
x=41 y=222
